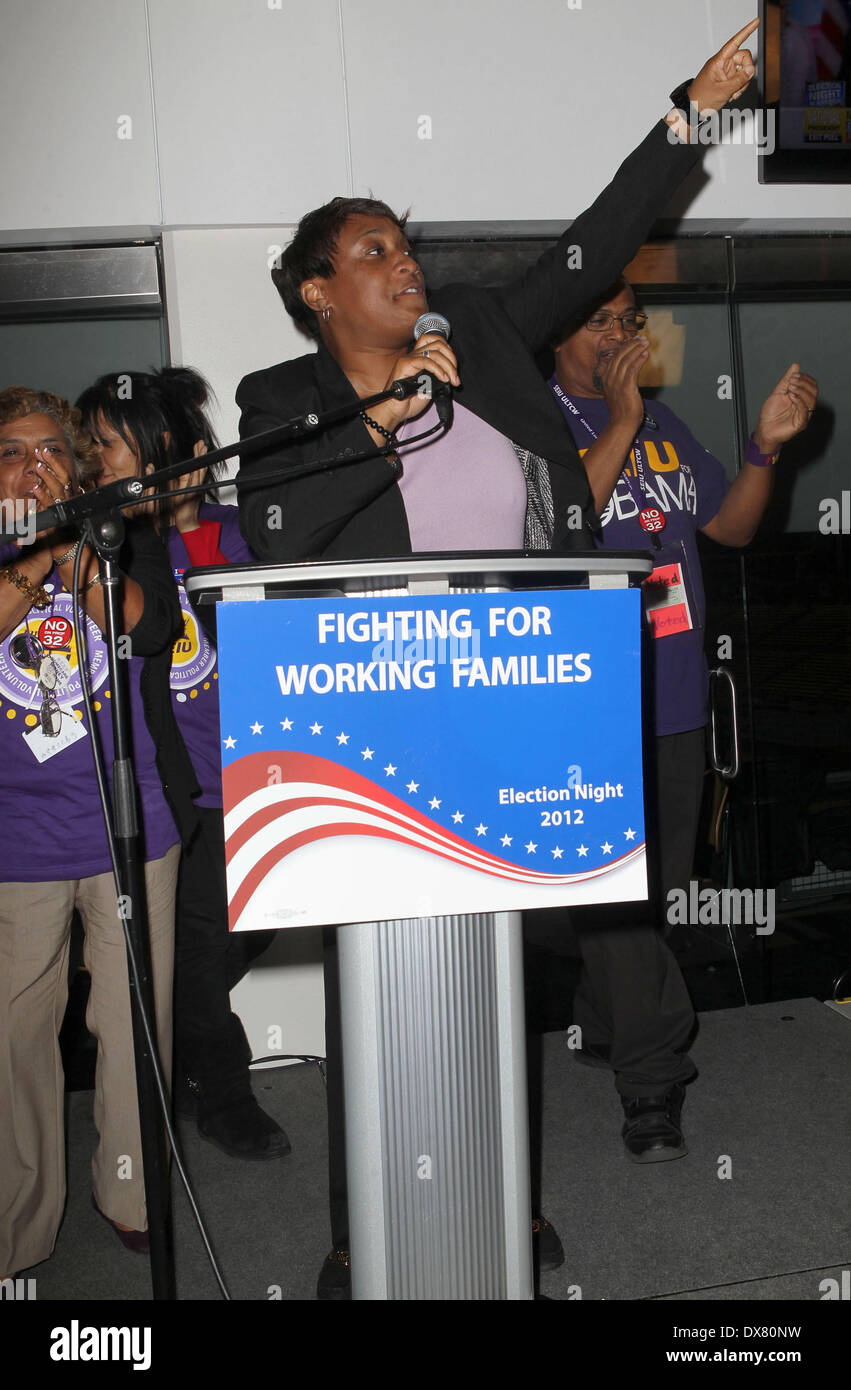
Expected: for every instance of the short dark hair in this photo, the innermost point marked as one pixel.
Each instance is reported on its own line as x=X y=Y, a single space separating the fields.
x=312 y=249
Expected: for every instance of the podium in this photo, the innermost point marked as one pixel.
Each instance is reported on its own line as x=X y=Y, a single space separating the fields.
x=432 y=1004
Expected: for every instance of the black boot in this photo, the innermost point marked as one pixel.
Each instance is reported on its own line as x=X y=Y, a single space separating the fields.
x=217 y=1077
x=244 y=1130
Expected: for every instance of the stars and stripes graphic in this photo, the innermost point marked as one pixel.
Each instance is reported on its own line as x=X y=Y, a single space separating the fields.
x=449 y=797
x=317 y=799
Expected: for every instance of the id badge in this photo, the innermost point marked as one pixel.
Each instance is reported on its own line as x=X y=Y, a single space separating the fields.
x=43 y=748
x=669 y=599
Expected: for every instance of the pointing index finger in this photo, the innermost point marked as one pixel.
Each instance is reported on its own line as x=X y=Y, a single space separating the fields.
x=737 y=40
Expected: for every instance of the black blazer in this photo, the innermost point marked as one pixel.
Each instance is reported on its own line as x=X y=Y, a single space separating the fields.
x=357 y=511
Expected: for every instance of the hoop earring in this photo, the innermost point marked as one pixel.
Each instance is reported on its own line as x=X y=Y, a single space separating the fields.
x=325 y=313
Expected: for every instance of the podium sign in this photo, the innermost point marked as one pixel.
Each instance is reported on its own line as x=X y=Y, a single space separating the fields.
x=407 y=757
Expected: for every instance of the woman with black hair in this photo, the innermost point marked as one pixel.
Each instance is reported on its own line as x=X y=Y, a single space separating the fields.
x=507 y=474
x=141 y=422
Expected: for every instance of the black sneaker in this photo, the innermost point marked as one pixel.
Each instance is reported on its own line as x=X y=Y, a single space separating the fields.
x=243 y=1130
x=335 y=1280
x=547 y=1249
x=652 y=1133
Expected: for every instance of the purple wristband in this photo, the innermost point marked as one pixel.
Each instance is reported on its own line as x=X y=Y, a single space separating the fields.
x=752 y=455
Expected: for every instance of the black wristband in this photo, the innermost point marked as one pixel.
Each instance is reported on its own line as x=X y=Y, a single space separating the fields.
x=680 y=97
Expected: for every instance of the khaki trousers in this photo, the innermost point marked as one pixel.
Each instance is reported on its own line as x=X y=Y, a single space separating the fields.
x=35 y=925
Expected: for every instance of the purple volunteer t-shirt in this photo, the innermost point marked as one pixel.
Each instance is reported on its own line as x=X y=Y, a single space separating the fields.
x=194 y=674
x=52 y=820
x=463 y=490
x=688 y=484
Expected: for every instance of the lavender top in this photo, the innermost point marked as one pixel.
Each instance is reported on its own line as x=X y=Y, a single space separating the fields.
x=464 y=490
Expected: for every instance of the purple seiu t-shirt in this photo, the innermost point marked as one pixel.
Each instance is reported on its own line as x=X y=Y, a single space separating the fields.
x=688 y=484
x=194 y=675
x=463 y=490
x=51 y=813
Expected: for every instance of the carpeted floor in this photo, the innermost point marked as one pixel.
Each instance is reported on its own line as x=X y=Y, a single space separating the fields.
x=772 y=1097
x=771 y=1107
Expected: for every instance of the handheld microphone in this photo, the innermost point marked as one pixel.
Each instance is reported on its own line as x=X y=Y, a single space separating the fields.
x=432 y=323
x=441 y=390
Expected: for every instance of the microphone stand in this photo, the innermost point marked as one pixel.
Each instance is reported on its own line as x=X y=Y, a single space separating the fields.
x=99 y=515
x=106 y=535
x=74 y=511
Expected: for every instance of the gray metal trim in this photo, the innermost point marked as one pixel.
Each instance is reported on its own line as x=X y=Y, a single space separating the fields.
x=728 y=771
x=68 y=282
x=514 y=1113
x=493 y=572
x=435 y=1097
x=364 y=1117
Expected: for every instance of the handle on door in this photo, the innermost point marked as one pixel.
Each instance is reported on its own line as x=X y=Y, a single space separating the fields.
x=718 y=675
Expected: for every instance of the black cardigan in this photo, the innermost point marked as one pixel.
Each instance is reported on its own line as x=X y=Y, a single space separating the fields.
x=144 y=559
x=357 y=511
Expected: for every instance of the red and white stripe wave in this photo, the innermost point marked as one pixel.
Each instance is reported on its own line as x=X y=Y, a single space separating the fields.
x=830 y=40
x=318 y=799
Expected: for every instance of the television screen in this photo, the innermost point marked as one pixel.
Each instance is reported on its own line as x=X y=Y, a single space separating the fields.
x=805 y=72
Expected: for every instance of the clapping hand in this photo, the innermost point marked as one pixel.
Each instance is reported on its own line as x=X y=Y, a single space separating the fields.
x=787 y=410
x=619 y=379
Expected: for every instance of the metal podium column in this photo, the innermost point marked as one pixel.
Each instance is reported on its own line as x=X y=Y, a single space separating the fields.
x=437 y=1144
x=433 y=1026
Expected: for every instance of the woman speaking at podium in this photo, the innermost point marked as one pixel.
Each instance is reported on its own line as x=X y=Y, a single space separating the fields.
x=506 y=475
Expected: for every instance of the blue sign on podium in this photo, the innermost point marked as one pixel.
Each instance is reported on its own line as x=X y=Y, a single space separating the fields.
x=417 y=757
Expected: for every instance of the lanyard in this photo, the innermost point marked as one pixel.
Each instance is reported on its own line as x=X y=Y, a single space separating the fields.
x=641 y=501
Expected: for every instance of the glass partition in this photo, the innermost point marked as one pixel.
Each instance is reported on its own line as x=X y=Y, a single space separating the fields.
x=69 y=315
x=729 y=312
x=67 y=356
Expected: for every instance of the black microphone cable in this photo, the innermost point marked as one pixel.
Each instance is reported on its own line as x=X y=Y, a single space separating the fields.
x=100 y=774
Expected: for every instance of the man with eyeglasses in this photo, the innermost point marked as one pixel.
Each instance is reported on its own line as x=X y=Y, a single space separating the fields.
x=654 y=486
